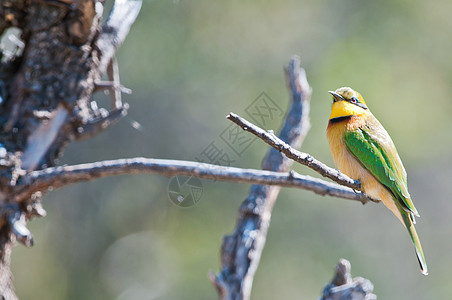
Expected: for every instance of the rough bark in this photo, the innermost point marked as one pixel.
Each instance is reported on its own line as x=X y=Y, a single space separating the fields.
x=343 y=287
x=241 y=251
x=46 y=87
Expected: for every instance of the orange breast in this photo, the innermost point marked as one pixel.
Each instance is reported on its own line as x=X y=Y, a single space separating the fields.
x=344 y=160
x=349 y=165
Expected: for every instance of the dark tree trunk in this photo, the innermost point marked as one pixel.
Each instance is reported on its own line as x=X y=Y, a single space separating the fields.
x=47 y=82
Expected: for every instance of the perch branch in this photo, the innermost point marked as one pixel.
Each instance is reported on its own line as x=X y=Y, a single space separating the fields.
x=57 y=177
x=290 y=152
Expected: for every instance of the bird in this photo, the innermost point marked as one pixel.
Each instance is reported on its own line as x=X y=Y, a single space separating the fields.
x=363 y=150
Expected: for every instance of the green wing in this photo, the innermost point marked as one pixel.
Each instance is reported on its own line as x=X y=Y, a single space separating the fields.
x=373 y=147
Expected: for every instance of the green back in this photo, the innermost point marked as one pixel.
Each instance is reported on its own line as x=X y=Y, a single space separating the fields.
x=373 y=147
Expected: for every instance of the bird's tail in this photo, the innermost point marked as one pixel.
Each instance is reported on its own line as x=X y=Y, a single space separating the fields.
x=409 y=224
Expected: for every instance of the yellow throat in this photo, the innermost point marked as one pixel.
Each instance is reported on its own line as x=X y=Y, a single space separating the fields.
x=344 y=109
x=347 y=102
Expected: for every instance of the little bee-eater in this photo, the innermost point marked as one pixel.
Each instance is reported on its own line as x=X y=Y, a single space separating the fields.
x=363 y=150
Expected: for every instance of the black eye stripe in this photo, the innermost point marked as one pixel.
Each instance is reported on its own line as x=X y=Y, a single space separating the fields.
x=355 y=101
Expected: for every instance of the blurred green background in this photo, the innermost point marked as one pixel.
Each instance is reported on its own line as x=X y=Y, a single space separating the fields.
x=189 y=63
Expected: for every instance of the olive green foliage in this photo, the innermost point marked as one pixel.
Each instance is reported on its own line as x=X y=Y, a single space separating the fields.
x=189 y=63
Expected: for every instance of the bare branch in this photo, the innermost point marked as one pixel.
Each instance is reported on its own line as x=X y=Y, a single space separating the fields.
x=344 y=287
x=298 y=156
x=116 y=28
x=241 y=251
x=18 y=224
x=16 y=219
x=101 y=123
x=113 y=75
x=58 y=177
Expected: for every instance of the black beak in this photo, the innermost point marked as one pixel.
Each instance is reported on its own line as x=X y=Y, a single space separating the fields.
x=336 y=96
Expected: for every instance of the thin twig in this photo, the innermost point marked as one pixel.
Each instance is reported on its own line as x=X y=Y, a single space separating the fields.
x=101 y=123
x=298 y=156
x=113 y=75
x=57 y=177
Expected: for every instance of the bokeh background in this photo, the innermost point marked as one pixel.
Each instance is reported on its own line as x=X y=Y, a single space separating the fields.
x=189 y=63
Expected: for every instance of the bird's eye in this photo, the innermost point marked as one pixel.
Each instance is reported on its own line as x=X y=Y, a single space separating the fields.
x=354 y=100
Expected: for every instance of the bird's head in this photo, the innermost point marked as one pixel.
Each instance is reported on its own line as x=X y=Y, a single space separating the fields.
x=347 y=102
